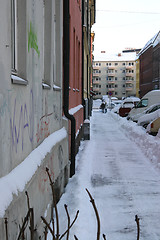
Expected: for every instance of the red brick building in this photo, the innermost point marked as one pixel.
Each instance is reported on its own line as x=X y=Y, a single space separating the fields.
x=73 y=65
x=149 y=66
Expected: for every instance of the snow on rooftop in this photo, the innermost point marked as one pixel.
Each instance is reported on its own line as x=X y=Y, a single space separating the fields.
x=127 y=56
x=153 y=41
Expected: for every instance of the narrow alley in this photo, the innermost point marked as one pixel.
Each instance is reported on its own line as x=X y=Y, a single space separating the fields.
x=122 y=181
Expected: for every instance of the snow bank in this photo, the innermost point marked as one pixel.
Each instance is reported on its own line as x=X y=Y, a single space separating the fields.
x=149 y=144
x=21 y=175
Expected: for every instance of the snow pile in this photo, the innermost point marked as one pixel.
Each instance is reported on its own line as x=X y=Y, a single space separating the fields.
x=149 y=144
x=21 y=175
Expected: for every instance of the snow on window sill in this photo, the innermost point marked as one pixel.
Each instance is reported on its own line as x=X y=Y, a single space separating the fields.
x=46 y=86
x=56 y=88
x=17 y=80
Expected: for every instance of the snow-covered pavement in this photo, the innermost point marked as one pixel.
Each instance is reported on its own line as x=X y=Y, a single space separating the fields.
x=122 y=180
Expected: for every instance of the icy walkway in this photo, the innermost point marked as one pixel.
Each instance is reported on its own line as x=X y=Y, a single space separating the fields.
x=122 y=181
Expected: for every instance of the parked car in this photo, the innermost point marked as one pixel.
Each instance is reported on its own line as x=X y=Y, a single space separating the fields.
x=148 y=100
x=149 y=117
x=148 y=110
x=154 y=126
x=127 y=105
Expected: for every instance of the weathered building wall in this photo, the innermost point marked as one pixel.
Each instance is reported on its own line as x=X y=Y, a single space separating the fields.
x=146 y=71
x=31 y=103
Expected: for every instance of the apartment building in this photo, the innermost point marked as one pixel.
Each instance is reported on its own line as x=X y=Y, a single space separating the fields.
x=115 y=75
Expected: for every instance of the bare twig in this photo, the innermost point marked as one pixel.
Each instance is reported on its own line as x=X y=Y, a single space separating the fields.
x=68 y=217
x=70 y=225
x=47 y=224
x=25 y=222
x=96 y=212
x=138 y=227
x=27 y=200
x=75 y=237
x=45 y=233
x=104 y=236
x=54 y=202
x=31 y=217
x=6 y=227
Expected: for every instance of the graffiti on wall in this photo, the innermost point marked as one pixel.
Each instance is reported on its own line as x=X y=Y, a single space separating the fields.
x=21 y=123
x=43 y=181
x=42 y=129
x=32 y=40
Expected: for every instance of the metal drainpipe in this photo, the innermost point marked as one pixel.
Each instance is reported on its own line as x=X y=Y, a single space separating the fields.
x=66 y=58
x=83 y=101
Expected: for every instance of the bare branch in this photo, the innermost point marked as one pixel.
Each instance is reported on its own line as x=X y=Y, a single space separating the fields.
x=54 y=202
x=96 y=212
x=65 y=206
x=104 y=236
x=6 y=227
x=70 y=225
x=47 y=224
x=75 y=237
x=138 y=227
x=27 y=200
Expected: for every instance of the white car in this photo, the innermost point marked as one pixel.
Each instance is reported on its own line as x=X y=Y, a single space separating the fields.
x=149 y=117
x=150 y=109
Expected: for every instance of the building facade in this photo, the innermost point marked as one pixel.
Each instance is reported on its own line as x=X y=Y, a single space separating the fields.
x=115 y=75
x=41 y=108
x=149 y=74
x=88 y=19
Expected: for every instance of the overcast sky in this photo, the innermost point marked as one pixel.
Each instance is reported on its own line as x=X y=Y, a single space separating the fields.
x=124 y=24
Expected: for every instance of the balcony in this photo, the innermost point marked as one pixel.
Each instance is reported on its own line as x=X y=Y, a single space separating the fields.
x=96 y=89
x=111 y=74
x=96 y=82
x=96 y=67
x=129 y=88
x=111 y=89
x=95 y=74
x=111 y=67
x=129 y=81
x=111 y=81
x=129 y=74
x=129 y=67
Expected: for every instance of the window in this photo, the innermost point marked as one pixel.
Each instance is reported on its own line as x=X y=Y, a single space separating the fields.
x=18 y=41
x=116 y=64
x=109 y=64
x=47 y=42
x=142 y=103
x=106 y=64
x=99 y=64
x=123 y=64
x=115 y=78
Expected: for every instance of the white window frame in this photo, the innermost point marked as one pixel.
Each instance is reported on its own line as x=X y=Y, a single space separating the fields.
x=14 y=35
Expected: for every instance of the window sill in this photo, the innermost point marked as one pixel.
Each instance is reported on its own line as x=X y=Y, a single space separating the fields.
x=46 y=86
x=56 y=88
x=17 y=80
